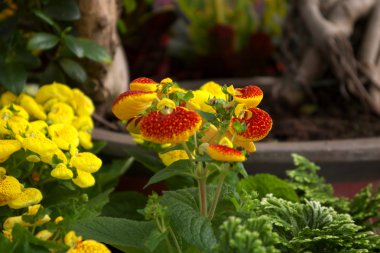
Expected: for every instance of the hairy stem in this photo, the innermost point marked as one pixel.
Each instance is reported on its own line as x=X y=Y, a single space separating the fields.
x=218 y=190
x=175 y=240
x=202 y=186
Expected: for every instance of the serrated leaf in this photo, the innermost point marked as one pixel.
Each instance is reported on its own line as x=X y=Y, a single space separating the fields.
x=124 y=234
x=73 y=69
x=42 y=41
x=74 y=45
x=154 y=239
x=94 y=51
x=13 y=76
x=177 y=168
x=186 y=221
x=65 y=10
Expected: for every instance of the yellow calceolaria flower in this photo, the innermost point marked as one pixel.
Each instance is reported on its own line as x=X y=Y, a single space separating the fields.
x=88 y=246
x=58 y=219
x=39 y=144
x=7 y=98
x=60 y=113
x=55 y=90
x=173 y=156
x=214 y=89
x=84 y=179
x=85 y=140
x=18 y=111
x=28 y=197
x=200 y=100
x=82 y=104
x=7 y=148
x=86 y=161
x=18 y=125
x=38 y=126
x=44 y=235
x=10 y=222
x=48 y=157
x=83 y=123
x=32 y=107
x=10 y=189
x=71 y=239
x=33 y=158
x=64 y=135
x=62 y=172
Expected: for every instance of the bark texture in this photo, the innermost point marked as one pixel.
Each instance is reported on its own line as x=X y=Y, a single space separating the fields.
x=98 y=23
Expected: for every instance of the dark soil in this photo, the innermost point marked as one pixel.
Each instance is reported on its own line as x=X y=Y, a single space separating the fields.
x=330 y=116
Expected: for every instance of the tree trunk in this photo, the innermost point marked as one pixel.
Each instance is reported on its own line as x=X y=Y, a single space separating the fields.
x=98 y=23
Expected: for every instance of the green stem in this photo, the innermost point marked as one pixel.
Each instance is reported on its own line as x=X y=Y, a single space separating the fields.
x=175 y=240
x=187 y=150
x=203 y=195
x=218 y=190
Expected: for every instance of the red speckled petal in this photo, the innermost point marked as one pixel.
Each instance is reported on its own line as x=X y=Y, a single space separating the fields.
x=224 y=153
x=131 y=103
x=173 y=128
x=143 y=84
x=258 y=125
x=250 y=95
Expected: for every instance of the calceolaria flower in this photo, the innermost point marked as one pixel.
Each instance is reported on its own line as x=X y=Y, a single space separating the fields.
x=224 y=153
x=170 y=125
x=78 y=245
x=250 y=95
x=173 y=156
x=143 y=84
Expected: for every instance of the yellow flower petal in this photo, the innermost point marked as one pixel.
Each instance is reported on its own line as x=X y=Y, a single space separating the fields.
x=7 y=98
x=85 y=140
x=44 y=235
x=226 y=142
x=10 y=222
x=61 y=113
x=143 y=84
x=18 y=125
x=198 y=102
x=86 y=161
x=83 y=123
x=28 y=196
x=173 y=156
x=38 y=126
x=32 y=107
x=8 y=147
x=62 y=172
x=55 y=90
x=250 y=95
x=18 y=110
x=84 y=179
x=58 y=219
x=48 y=156
x=64 y=135
x=214 y=89
x=132 y=103
x=88 y=246
x=71 y=239
x=82 y=104
x=10 y=189
x=33 y=158
x=39 y=144
x=225 y=154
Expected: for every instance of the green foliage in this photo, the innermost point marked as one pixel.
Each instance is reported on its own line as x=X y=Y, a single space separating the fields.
x=125 y=205
x=126 y=235
x=186 y=221
x=313 y=227
x=252 y=235
x=38 y=44
x=267 y=183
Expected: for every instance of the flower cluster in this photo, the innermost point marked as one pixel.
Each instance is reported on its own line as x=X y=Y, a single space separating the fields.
x=45 y=138
x=224 y=121
x=214 y=127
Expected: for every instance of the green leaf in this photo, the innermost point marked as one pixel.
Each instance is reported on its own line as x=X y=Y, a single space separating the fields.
x=65 y=10
x=125 y=205
x=109 y=175
x=210 y=117
x=94 y=51
x=264 y=184
x=52 y=73
x=124 y=234
x=186 y=221
x=47 y=20
x=73 y=69
x=13 y=76
x=177 y=168
x=42 y=41
x=148 y=160
x=74 y=45
x=154 y=239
